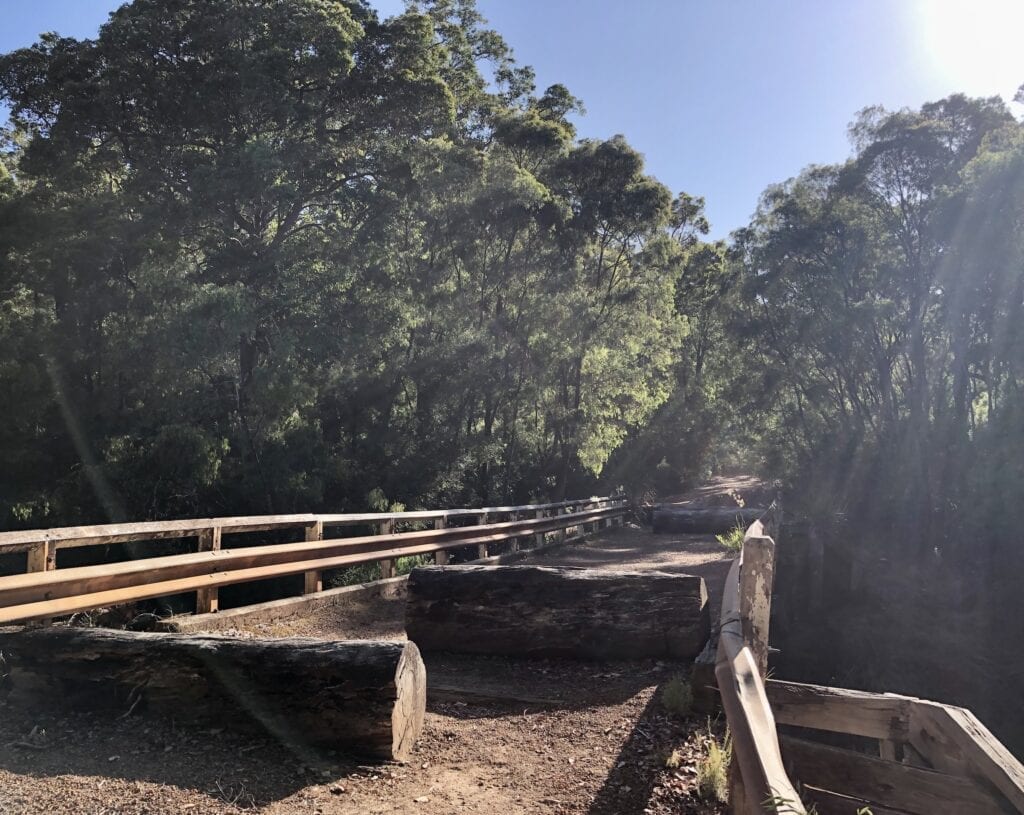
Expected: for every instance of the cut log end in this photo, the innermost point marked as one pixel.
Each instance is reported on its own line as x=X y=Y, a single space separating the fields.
x=368 y=698
x=410 y=703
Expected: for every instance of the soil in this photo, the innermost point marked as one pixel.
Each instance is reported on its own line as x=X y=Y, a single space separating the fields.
x=542 y=736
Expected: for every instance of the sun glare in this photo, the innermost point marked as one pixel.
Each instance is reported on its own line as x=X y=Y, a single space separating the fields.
x=974 y=45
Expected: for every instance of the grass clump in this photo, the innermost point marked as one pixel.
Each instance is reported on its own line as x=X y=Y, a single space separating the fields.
x=733 y=539
x=677 y=697
x=713 y=770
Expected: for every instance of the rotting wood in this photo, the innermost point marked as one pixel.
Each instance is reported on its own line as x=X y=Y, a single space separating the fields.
x=888 y=783
x=549 y=611
x=366 y=697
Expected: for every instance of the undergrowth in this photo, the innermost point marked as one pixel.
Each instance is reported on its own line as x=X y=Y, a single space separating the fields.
x=733 y=539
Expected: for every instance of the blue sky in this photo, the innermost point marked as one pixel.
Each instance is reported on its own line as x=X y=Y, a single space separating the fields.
x=723 y=97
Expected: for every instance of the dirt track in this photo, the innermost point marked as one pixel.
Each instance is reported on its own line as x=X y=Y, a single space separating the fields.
x=580 y=739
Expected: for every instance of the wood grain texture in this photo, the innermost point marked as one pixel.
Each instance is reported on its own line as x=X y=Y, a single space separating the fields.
x=365 y=697
x=953 y=740
x=836 y=710
x=898 y=786
x=546 y=611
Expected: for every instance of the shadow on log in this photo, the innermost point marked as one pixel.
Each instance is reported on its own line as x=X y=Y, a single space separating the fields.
x=714 y=521
x=368 y=698
x=557 y=612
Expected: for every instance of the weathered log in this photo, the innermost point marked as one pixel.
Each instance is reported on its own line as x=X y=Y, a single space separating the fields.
x=561 y=612
x=705 y=521
x=365 y=697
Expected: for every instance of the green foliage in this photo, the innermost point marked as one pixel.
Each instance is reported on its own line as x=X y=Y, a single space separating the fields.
x=677 y=697
x=733 y=539
x=713 y=770
x=286 y=257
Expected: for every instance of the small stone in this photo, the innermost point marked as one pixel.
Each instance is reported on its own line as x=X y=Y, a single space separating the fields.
x=113 y=758
x=337 y=789
x=423 y=799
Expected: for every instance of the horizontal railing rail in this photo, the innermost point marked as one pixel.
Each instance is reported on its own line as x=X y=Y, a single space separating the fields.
x=44 y=591
x=102 y=534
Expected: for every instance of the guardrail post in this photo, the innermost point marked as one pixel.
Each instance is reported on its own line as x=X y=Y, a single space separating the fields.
x=207 y=600
x=538 y=539
x=42 y=557
x=757 y=575
x=314 y=581
x=481 y=549
x=441 y=555
x=387 y=566
x=514 y=543
x=564 y=531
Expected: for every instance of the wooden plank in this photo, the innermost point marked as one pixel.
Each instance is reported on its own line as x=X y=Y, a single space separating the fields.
x=207 y=600
x=313 y=582
x=24 y=597
x=899 y=786
x=755 y=744
x=953 y=740
x=42 y=557
x=827 y=802
x=757 y=577
x=101 y=534
x=243 y=570
x=837 y=710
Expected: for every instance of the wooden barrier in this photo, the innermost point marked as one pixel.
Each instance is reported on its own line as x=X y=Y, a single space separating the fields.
x=365 y=697
x=47 y=592
x=546 y=611
x=931 y=758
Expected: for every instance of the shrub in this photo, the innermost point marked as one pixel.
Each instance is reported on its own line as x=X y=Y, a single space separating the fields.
x=677 y=696
x=713 y=770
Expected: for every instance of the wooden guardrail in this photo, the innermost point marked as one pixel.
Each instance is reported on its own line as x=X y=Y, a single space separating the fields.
x=45 y=591
x=928 y=758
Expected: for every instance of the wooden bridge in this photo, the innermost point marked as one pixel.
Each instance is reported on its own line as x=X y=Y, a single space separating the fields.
x=886 y=753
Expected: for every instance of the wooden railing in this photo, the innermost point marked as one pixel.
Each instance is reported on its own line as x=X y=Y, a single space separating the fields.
x=928 y=758
x=46 y=591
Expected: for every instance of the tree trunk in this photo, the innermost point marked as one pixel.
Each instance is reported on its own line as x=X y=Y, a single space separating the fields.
x=560 y=612
x=365 y=697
